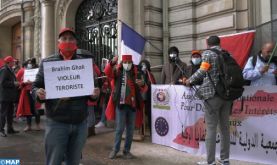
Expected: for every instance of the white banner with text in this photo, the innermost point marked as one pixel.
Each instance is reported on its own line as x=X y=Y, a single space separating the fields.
x=178 y=122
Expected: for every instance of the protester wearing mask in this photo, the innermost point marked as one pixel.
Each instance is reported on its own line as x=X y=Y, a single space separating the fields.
x=8 y=96
x=174 y=69
x=125 y=101
x=66 y=122
x=195 y=65
x=104 y=95
x=16 y=66
x=26 y=104
x=149 y=80
x=259 y=72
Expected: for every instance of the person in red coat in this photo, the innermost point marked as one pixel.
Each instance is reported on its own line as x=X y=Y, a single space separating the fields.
x=104 y=95
x=125 y=100
x=149 y=78
x=26 y=105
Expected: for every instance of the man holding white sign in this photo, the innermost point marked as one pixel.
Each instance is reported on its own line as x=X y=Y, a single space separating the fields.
x=58 y=83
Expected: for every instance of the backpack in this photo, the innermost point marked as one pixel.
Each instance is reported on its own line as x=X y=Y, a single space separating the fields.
x=230 y=84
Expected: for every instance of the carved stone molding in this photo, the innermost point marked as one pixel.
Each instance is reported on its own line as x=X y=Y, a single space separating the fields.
x=48 y=2
x=28 y=6
x=61 y=7
x=28 y=24
x=37 y=29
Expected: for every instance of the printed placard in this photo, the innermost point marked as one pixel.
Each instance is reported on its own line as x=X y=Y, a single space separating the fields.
x=70 y=78
x=30 y=75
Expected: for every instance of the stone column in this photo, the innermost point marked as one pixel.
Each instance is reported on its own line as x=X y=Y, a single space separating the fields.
x=47 y=28
x=165 y=30
x=139 y=17
x=37 y=30
x=125 y=14
x=28 y=30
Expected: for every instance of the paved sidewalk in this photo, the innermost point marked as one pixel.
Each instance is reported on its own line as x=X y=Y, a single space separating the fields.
x=29 y=148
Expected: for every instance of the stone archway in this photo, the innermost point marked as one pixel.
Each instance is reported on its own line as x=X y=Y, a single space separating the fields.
x=8 y=25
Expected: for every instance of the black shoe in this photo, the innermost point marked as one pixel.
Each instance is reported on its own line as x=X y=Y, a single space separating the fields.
x=112 y=154
x=91 y=131
x=12 y=131
x=2 y=134
x=128 y=155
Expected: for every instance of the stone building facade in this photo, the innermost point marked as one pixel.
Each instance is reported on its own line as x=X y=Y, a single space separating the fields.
x=29 y=28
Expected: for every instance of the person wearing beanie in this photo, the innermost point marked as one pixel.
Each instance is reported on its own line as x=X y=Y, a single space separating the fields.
x=195 y=63
x=8 y=96
x=149 y=78
x=125 y=101
x=174 y=69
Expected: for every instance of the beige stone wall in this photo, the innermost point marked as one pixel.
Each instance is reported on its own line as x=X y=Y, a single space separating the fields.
x=153 y=23
x=5 y=41
x=182 y=26
x=9 y=15
x=192 y=21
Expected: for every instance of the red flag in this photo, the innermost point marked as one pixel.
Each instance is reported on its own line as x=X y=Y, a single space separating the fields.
x=1 y=62
x=239 y=45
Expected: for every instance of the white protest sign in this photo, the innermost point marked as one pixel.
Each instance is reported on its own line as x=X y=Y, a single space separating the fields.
x=70 y=78
x=30 y=75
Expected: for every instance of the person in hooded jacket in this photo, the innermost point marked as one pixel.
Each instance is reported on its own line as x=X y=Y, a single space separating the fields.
x=174 y=69
x=149 y=78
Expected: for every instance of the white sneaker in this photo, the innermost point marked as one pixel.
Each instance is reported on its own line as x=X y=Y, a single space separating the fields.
x=205 y=163
x=99 y=125
x=223 y=162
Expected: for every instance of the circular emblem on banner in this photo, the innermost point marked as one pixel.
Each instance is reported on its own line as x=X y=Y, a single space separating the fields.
x=161 y=126
x=161 y=96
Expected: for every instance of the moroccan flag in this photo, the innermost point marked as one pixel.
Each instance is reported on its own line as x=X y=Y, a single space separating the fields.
x=239 y=45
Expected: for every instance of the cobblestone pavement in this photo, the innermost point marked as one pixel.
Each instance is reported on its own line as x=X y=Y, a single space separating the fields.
x=29 y=148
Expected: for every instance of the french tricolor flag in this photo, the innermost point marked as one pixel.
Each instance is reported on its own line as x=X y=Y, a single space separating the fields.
x=132 y=43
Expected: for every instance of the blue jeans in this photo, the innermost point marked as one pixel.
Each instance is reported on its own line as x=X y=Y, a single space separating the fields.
x=64 y=141
x=124 y=117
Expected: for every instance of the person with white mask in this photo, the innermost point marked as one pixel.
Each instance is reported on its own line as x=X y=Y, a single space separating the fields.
x=125 y=101
x=149 y=79
x=27 y=105
x=195 y=63
x=174 y=69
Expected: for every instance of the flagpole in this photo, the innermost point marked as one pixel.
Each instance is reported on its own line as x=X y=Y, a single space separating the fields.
x=154 y=46
x=272 y=54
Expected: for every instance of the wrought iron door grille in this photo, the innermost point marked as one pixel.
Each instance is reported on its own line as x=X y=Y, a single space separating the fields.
x=96 y=28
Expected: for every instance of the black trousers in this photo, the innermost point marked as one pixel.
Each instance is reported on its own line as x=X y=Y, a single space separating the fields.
x=33 y=111
x=6 y=113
